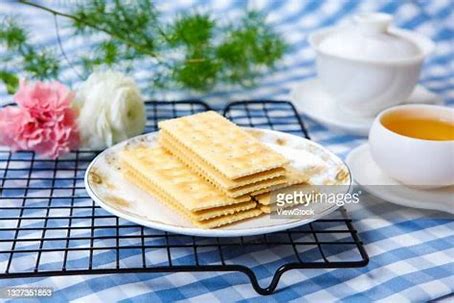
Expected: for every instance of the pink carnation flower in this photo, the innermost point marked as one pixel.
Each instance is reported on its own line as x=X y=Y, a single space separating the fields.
x=43 y=121
x=44 y=101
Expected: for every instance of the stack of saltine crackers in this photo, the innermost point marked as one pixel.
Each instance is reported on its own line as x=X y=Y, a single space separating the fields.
x=210 y=170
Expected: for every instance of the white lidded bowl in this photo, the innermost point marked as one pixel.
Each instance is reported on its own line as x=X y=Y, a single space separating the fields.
x=368 y=66
x=414 y=162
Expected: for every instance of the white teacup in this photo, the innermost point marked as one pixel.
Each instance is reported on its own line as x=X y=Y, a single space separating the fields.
x=369 y=66
x=414 y=162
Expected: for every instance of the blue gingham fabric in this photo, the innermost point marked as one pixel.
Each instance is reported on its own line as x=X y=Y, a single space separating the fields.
x=411 y=252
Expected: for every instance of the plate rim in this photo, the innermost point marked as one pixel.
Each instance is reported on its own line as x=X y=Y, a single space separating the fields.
x=216 y=232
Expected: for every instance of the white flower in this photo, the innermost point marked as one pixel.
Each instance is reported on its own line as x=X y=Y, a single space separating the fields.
x=110 y=109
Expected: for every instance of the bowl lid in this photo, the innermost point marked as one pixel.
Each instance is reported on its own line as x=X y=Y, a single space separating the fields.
x=369 y=38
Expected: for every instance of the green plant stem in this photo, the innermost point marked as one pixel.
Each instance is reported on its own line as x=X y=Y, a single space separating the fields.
x=57 y=32
x=112 y=34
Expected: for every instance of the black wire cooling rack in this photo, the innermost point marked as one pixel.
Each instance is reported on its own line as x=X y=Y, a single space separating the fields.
x=49 y=226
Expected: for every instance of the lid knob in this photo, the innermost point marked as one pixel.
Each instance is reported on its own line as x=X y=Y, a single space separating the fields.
x=373 y=23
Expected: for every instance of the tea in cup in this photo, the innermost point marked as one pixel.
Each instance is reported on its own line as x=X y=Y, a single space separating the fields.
x=414 y=144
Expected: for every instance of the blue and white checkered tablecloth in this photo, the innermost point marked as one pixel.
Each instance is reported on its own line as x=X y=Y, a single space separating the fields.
x=411 y=254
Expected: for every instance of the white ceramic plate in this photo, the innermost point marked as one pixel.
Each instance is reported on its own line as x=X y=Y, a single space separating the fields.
x=313 y=101
x=369 y=176
x=107 y=187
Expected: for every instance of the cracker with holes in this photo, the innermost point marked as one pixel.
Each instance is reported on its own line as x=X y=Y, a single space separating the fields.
x=162 y=175
x=224 y=154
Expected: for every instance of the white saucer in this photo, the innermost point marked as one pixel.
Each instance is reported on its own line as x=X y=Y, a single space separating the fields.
x=313 y=101
x=370 y=177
